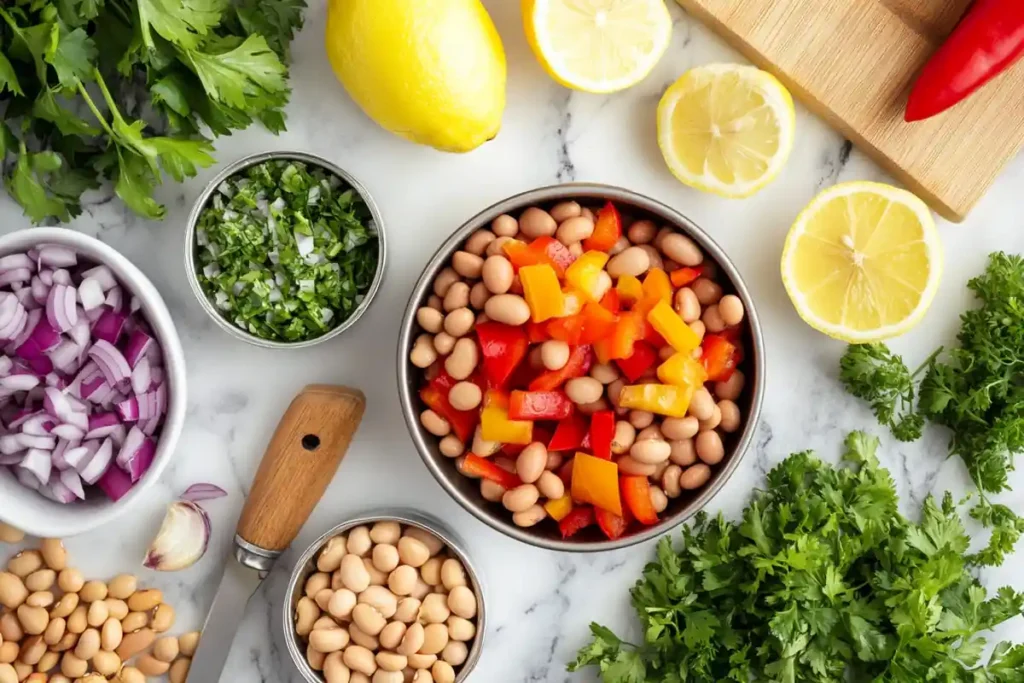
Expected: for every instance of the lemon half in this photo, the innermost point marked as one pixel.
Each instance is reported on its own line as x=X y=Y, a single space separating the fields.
x=862 y=262
x=726 y=128
x=598 y=46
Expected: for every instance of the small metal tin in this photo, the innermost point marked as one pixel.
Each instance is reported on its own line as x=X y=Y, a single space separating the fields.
x=305 y=566
x=252 y=160
x=466 y=491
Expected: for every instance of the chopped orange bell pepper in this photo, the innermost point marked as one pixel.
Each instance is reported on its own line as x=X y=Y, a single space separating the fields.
x=585 y=273
x=682 y=370
x=613 y=526
x=594 y=323
x=542 y=291
x=669 y=325
x=684 y=276
x=636 y=493
x=657 y=286
x=630 y=290
x=661 y=399
x=596 y=481
x=627 y=332
x=607 y=229
x=610 y=300
x=719 y=356
x=475 y=466
x=542 y=250
x=495 y=424
x=559 y=508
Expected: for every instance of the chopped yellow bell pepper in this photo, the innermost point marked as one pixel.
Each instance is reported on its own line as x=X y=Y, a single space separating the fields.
x=661 y=399
x=495 y=425
x=542 y=291
x=682 y=370
x=559 y=507
x=585 y=274
x=669 y=325
x=629 y=288
x=596 y=481
x=658 y=286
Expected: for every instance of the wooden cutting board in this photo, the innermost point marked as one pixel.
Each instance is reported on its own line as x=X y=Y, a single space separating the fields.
x=853 y=61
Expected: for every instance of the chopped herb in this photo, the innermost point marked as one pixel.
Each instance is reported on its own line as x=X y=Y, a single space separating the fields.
x=823 y=581
x=286 y=251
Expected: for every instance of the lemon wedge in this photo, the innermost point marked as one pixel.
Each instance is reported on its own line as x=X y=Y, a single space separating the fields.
x=726 y=128
x=598 y=46
x=862 y=262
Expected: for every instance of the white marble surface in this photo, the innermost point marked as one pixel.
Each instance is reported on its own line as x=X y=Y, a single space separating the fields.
x=539 y=602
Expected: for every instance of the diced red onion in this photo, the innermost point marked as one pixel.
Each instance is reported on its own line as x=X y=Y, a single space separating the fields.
x=34 y=316
x=47 y=443
x=6 y=460
x=68 y=431
x=5 y=366
x=202 y=491
x=141 y=377
x=115 y=483
x=135 y=348
x=10 y=444
x=38 y=462
x=41 y=339
x=27 y=479
x=64 y=356
x=95 y=314
x=13 y=261
x=73 y=482
x=111 y=362
x=46 y=276
x=15 y=275
x=56 y=403
x=58 y=492
x=80 y=332
x=78 y=419
x=25 y=298
x=114 y=299
x=99 y=463
x=62 y=277
x=57 y=256
x=135 y=304
x=40 y=290
x=109 y=325
x=150 y=426
x=19 y=382
x=61 y=308
x=19 y=417
x=139 y=457
x=16 y=325
x=103 y=276
x=77 y=457
x=101 y=425
x=38 y=425
x=57 y=455
x=128 y=409
x=90 y=293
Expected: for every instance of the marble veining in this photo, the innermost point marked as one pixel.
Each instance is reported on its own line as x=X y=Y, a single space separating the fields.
x=538 y=602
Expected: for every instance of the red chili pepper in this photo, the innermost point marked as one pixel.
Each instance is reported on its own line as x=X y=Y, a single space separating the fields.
x=644 y=358
x=578 y=365
x=602 y=429
x=719 y=357
x=539 y=405
x=580 y=518
x=611 y=524
x=607 y=229
x=684 y=276
x=636 y=493
x=435 y=395
x=986 y=42
x=475 y=466
x=502 y=348
x=569 y=433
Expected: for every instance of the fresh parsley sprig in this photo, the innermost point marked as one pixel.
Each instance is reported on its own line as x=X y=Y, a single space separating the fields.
x=823 y=581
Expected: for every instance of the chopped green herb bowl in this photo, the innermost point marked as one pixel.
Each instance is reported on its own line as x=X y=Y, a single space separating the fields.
x=285 y=249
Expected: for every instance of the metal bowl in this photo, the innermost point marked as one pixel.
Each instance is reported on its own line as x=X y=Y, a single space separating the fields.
x=466 y=491
x=306 y=566
x=190 y=247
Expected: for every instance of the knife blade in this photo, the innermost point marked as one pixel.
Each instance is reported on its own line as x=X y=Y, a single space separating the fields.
x=307 y=447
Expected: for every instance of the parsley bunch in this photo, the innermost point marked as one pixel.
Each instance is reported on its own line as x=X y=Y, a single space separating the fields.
x=976 y=390
x=123 y=89
x=823 y=581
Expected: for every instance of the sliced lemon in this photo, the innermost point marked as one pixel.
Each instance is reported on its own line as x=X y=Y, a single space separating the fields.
x=726 y=128
x=599 y=46
x=862 y=262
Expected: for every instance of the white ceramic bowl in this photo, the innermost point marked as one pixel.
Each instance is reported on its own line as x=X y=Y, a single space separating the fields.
x=38 y=516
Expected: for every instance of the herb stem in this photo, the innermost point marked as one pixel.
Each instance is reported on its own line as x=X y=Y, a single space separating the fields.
x=92 y=107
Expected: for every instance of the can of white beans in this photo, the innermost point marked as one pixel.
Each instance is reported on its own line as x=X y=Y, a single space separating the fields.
x=461 y=607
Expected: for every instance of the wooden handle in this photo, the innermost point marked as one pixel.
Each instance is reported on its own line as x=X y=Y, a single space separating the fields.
x=307 y=447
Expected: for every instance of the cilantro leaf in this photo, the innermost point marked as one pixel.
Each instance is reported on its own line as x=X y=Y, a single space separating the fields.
x=239 y=76
x=183 y=22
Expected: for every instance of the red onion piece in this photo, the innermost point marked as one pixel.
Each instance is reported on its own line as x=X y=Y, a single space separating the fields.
x=5 y=366
x=80 y=333
x=13 y=261
x=99 y=463
x=34 y=316
x=129 y=450
x=11 y=459
x=38 y=425
x=203 y=491
x=77 y=457
x=62 y=277
x=41 y=339
x=27 y=479
x=61 y=311
x=40 y=290
x=38 y=462
x=111 y=362
x=141 y=377
x=73 y=482
x=64 y=356
x=135 y=348
x=139 y=463
x=58 y=492
x=68 y=431
x=15 y=275
x=115 y=483
x=10 y=444
x=114 y=299
x=128 y=409
x=90 y=293
x=57 y=256
x=56 y=403
x=150 y=426
x=103 y=276
x=16 y=325
x=101 y=425
x=19 y=382
x=46 y=443
x=46 y=277
x=109 y=325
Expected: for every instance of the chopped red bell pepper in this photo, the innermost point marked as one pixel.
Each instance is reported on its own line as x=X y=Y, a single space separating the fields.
x=569 y=433
x=607 y=229
x=719 y=357
x=610 y=300
x=541 y=250
x=611 y=524
x=636 y=492
x=628 y=330
x=537 y=333
x=435 y=395
x=475 y=466
x=577 y=520
x=539 y=405
x=578 y=365
x=602 y=429
x=502 y=348
x=568 y=329
x=643 y=358
x=681 y=277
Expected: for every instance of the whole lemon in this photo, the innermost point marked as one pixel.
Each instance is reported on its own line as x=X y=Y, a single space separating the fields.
x=432 y=71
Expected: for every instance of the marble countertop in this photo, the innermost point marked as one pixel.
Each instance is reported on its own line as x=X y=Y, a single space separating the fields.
x=539 y=602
